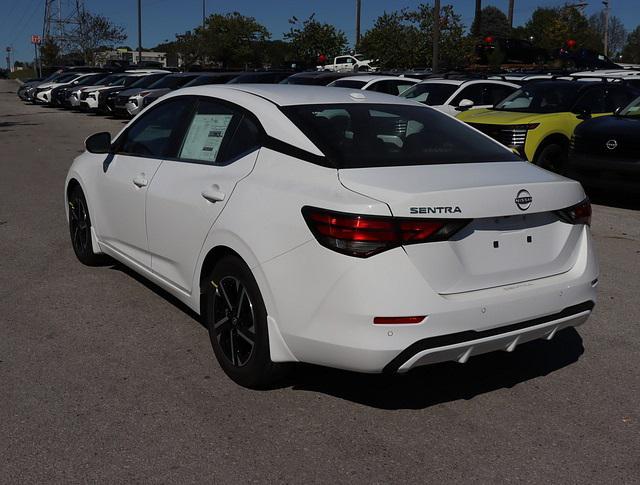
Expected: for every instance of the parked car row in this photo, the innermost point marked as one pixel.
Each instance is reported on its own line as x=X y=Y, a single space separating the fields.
x=536 y=114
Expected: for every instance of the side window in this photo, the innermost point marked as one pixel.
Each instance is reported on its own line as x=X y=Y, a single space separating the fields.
x=593 y=99
x=219 y=134
x=473 y=92
x=618 y=98
x=496 y=93
x=152 y=134
x=209 y=128
x=245 y=139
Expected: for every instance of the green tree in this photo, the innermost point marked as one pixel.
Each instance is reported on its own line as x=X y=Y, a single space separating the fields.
x=393 y=41
x=311 y=38
x=97 y=32
x=617 y=35
x=552 y=27
x=493 y=21
x=631 y=51
x=49 y=53
x=232 y=40
x=455 y=48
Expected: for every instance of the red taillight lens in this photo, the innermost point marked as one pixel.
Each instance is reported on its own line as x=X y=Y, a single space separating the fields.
x=398 y=320
x=577 y=214
x=363 y=236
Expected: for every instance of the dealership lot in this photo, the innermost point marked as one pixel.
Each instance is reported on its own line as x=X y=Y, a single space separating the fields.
x=107 y=378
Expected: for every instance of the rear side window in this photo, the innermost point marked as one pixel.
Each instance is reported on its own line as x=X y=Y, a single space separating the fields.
x=218 y=134
x=380 y=135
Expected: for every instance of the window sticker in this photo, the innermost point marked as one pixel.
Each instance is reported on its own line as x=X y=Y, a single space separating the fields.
x=205 y=136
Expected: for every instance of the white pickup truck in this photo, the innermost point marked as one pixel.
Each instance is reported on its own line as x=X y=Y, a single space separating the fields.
x=355 y=63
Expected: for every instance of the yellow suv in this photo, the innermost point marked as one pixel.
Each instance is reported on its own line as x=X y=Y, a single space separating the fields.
x=538 y=119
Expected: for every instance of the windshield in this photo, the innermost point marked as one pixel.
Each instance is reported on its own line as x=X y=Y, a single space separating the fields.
x=170 y=82
x=348 y=83
x=632 y=109
x=146 y=81
x=91 y=80
x=65 y=78
x=386 y=135
x=432 y=94
x=541 y=97
x=216 y=79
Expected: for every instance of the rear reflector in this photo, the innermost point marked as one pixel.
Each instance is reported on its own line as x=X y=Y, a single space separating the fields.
x=363 y=235
x=577 y=214
x=398 y=320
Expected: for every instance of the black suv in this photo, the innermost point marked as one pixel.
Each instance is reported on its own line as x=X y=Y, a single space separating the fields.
x=605 y=151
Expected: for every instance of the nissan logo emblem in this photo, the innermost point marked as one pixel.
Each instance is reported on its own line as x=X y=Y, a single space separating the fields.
x=612 y=144
x=523 y=200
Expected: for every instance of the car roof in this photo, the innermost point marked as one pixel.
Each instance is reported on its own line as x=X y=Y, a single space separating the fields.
x=372 y=77
x=296 y=94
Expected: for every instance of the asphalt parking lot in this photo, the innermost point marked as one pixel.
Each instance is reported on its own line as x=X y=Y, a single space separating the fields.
x=104 y=377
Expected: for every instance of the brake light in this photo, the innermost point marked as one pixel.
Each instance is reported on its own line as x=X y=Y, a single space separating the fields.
x=577 y=214
x=398 y=320
x=363 y=235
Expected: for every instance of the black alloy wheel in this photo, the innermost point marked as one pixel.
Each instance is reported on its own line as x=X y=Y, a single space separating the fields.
x=80 y=229
x=235 y=314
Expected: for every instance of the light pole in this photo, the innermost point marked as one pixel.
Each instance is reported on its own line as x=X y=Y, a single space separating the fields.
x=139 y=31
x=606 y=27
x=204 y=8
x=358 y=12
x=436 y=36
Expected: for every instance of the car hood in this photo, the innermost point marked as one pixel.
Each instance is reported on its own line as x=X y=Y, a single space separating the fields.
x=495 y=117
x=604 y=126
x=131 y=92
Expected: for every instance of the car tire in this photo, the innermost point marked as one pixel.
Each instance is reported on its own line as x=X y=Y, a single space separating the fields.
x=552 y=156
x=80 y=229
x=236 y=318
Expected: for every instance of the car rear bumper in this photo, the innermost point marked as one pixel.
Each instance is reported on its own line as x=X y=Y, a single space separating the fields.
x=325 y=303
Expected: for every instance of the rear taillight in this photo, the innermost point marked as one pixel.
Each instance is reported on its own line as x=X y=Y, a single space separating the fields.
x=577 y=214
x=363 y=235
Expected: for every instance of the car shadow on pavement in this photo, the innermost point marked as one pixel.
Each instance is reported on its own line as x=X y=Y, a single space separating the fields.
x=424 y=386
x=440 y=383
x=620 y=201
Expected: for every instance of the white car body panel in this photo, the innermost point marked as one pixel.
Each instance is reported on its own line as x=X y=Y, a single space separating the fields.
x=321 y=303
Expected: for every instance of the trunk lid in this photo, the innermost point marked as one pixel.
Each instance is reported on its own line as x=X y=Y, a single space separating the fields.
x=514 y=235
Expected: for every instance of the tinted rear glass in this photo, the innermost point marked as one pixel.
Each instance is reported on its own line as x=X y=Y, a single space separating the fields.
x=385 y=135
x=348 y=83
x=432 y=94
x=147 y=81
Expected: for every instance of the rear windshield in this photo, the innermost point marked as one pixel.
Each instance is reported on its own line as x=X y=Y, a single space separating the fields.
x=172 y=82
x=385 y=135
x=348 y=83
x=147 y=81
x=432 y=94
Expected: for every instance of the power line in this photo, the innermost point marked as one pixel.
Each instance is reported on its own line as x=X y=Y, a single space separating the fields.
x=21 y=24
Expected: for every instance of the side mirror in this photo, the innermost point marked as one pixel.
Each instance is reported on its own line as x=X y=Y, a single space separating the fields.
x=618 y=111
x=99 y=143
x=584 y=114
x=465 y=104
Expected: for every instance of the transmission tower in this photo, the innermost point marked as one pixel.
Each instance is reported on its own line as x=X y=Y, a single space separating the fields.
x=63 y=20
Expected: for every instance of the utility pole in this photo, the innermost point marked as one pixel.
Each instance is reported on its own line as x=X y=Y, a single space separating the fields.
x=477 y=19
x=139 y=31
x=204 y=8
x=606 y=27
x=436 y=36
x=511 y=14
x=358 y=12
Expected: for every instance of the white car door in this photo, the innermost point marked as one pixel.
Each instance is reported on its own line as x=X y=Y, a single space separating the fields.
x=121 y=188
x=189 y=191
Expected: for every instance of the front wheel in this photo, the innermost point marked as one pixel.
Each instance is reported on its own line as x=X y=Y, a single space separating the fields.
x=236 y=317
x=80 y=229
x=552 y=157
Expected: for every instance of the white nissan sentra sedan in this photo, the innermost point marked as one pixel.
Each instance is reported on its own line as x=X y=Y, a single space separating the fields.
x=344 y=228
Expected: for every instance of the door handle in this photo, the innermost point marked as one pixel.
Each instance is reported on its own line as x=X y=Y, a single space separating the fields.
x=140 y=181
x=213 y=194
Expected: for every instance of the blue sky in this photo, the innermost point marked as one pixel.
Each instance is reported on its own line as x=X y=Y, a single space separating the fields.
x=162 y=19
